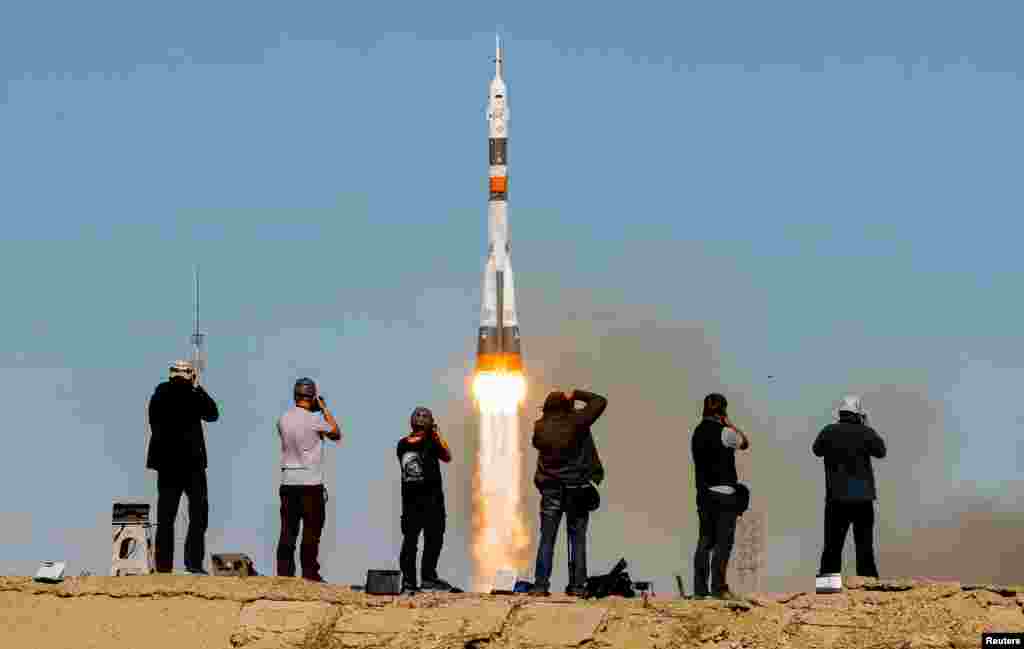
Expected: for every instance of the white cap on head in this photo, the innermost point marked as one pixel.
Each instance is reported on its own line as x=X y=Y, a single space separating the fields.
x=182 y=369
x=851 y=403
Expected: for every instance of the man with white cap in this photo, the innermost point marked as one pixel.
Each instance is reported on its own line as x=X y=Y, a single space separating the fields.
x=847 y=447
x=177 y=451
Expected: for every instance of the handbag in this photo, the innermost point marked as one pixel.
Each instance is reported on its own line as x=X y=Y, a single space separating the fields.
x=582 y=498
x=742 y=498
x=738 y=502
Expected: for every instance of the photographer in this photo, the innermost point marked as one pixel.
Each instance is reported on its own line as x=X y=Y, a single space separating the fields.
x=847 y=447
x=420 y=454
x=303 y=495
x=719 y=495
x=177 y=452
x=568 y=467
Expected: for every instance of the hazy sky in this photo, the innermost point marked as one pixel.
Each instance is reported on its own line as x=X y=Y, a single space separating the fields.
x=700 y=198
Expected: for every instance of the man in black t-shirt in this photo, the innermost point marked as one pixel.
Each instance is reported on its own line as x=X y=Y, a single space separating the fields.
x=714 y=444
x=420 y=455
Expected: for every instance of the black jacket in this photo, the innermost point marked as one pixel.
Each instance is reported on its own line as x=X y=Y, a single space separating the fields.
x=847 y=447
x=177 y=441
x=565 y=446
x=714 y=463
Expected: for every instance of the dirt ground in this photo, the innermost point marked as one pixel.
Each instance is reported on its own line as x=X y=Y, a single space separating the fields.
x=166 y=611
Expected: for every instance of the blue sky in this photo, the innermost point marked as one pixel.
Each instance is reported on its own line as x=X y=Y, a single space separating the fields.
x=829 y=195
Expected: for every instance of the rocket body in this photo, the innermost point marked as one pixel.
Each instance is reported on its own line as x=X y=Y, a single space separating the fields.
x=498 y=346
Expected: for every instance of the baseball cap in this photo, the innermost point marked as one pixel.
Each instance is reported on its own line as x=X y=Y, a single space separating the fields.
x=305 y=388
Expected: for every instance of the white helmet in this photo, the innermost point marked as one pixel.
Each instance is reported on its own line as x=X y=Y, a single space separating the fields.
x=182 y=369
x=851 y=403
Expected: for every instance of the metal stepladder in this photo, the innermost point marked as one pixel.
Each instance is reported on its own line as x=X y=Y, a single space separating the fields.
x=132 y=552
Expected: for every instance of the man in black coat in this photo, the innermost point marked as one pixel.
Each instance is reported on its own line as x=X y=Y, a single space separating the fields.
x=177 y=452
x=714 y=444
x=847 y=447
x=567 y=466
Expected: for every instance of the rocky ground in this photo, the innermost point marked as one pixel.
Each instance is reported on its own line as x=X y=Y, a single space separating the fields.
x=271 y=613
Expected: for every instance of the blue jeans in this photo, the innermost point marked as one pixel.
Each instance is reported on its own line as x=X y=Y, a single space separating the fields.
x=553 y=503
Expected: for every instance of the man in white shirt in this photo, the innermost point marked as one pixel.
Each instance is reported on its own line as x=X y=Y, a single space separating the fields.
x=303 y=496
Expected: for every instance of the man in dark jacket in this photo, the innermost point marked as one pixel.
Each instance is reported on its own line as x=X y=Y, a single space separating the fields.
x=714 y=444
x=177 y=451
x=567 y=465
x=847 y=447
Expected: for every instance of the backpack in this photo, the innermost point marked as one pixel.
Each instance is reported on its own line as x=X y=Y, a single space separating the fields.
x=616 y=582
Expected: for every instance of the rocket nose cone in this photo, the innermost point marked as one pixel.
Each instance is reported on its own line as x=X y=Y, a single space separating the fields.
x=498 y=57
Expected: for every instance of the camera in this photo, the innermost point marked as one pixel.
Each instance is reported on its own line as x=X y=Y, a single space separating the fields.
x=317 y=403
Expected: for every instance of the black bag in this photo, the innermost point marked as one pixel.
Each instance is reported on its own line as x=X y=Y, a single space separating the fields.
x=738 y=502
x=582 y=498
x=742 y=498
x=383 y=582
x=616 y=582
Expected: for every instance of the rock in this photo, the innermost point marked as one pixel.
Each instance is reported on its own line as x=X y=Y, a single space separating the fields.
x=279 y=622
x=465 y=621
x=48 y=622
x=1005 y=619
x=964 y=605
x=558 y=624
x=1005 y=591
x=714 y=634
x=789 y=597
x=170 y=611
x=737 y=605
x=888 y=586
x=926 y=641
x=943 y=590
x=379 y=622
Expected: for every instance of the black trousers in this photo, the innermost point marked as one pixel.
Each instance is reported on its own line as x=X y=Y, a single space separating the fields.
x=170 y=486
x=422 y=511
x=555 y=501
x=838 y=518
x=714 y=545
x=305 y=504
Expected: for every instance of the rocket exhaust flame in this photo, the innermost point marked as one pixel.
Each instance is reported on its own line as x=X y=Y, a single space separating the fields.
x=500 y=536
x=499 y=394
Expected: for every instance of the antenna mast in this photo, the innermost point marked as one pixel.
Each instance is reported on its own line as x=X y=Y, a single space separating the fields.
x=198 y=338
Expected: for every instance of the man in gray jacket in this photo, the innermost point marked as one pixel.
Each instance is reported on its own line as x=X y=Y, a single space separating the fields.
x=847 y=447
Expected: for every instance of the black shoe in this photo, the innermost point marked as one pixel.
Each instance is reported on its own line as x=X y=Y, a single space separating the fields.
x=538 y=591
x=438 y=585
x=576 y=591
x=197 y=571
x=317 y=579
x=699 y=598
x=409 y=588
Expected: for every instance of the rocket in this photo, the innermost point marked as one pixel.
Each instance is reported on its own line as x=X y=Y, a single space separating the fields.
x=498 y=347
